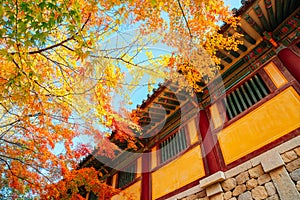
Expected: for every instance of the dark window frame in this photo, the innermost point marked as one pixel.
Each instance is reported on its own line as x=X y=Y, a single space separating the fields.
x=126 y=177
x=92 y=196
x=245 y=96
x=177 y=148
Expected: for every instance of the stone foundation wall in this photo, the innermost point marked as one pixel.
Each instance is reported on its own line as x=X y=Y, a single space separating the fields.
x=273 y=176
x=292 y=164
x=253 y=183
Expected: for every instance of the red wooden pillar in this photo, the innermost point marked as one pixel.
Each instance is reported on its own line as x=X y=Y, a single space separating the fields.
x=146 y=193
x=211 y=156
x=291 y=61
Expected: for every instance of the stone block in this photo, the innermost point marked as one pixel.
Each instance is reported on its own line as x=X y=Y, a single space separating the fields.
x=284 y=185
x=256 y=160
x=297 y=150
x=238 y=169
x=273 y=197
x=271 y=161
x=233 y=198
x=229 y=184
x=245 y=196
x=217 y=197
x=263 y=179
x=239 y=190
x=289 y=145
x=295 y=175
x=250 y=184
x=259 y=193
x=196 y=190
x=227 y=195
x=242 y=178
x=298 y=186
x=214 y=189
x=192 y=197
x=289 y=156
x=214 y=178
x=201 y=194
x=292 y=166
x=270 y=188
x=256 y=171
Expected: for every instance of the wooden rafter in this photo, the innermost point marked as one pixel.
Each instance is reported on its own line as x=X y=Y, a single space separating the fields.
x=166 y=104
x=262 y=17
x=271 y=16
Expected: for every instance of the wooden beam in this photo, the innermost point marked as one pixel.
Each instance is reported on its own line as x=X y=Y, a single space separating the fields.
x=152 y=108
x=286 y=6
x=144 y=124
x=181 y=95
x=223 y=57
x=262 y=17
x=279 y=9
x=242 y=47
x=168 y=100
x=271 y=16
x=154 y=116
x=159 y=110
x=234 y=53
x=253 y=24
x=247 y=37
x=149 y=120
x=171 y=99
x=167 y=105
x=150 y=113
x=174 y=87
x=294 y=5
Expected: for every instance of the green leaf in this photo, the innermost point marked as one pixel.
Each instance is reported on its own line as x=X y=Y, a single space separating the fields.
x=24 y=7
x=42 y=5
x=29 y=17
x=51 y=22
x=44 y=25
x=22 y=26
x=153 y=2
x=1 y=11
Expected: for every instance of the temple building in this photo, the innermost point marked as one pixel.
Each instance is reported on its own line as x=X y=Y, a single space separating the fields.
x=240 y=138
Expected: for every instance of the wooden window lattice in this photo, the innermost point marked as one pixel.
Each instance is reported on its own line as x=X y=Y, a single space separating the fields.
x=127 y=176
x=245 y=96
x=173 y=145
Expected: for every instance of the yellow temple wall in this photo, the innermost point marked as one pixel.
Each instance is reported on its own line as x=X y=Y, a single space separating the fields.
x=178 y=173
x=131 y=192
x=272 y=120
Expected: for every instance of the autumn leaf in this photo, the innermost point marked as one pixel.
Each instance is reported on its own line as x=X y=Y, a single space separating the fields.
x=58 y=80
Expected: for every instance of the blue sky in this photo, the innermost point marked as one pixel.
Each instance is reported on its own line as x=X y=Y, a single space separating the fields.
x=233 y=3
x=140 y=93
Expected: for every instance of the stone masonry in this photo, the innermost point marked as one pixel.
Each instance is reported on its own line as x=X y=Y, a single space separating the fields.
x=253 y=183
x=292 y=163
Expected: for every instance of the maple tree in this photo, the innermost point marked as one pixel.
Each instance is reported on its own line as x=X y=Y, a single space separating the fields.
x=58 y=79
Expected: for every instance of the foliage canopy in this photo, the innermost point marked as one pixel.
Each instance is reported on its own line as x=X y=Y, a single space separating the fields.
x=58 y=78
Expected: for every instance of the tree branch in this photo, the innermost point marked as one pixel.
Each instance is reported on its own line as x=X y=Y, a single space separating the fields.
x=187 y=24
x=17 y=144
x=11 y=171
x=57 y=44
